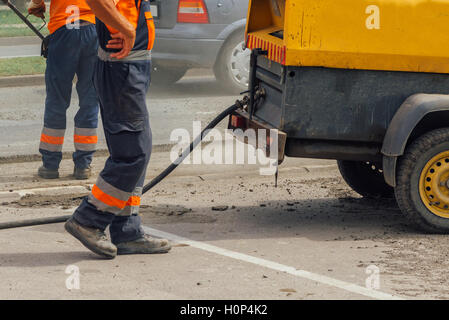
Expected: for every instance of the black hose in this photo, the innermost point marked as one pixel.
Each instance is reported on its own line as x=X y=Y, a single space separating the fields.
x=151 y=184
x=192 y=146
x=33 y=222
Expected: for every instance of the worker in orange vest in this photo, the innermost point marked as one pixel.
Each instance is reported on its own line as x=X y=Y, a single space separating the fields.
x=72 y=50
x=126 y=35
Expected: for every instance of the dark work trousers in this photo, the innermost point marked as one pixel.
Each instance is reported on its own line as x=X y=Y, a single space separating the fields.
x=71 y=51
x=115 y=198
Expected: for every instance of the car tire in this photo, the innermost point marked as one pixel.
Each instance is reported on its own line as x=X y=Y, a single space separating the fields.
x=422 y=182
x=232 y=66
x=365 y=178
x=162 y=76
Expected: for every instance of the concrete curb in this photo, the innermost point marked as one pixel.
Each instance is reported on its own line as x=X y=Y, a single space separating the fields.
x=16 y=195
x=20 y=40
x=22 y=81
x=39 y=79
x=68 y=154
x=37 y=157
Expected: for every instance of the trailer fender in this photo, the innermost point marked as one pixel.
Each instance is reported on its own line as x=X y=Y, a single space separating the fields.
x=405 y=120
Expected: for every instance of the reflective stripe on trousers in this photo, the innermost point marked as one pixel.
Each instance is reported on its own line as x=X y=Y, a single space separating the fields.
x=85 y=139
x=52 y=139
x=108 y=198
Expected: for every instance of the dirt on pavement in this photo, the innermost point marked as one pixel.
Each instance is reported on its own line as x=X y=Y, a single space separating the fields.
x=329 y=228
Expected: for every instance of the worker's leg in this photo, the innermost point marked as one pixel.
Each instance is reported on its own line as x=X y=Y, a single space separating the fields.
x=113 y=191
x=127 y=233
x=86 y=119
x=62 y=62
x=126 y=226
x=121 y=89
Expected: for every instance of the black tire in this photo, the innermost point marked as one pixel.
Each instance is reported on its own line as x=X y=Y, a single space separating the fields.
x=410 y=166
x=222 y=69
x=365 y=178
x=162 y=76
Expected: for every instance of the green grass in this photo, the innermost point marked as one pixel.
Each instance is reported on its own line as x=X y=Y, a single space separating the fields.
x=22 y=66
x=16 y=32
x=8 y=17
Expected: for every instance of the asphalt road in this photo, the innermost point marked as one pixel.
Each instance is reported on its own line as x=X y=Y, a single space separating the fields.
x=196 y=97
x=235 y=236
x=20 y=47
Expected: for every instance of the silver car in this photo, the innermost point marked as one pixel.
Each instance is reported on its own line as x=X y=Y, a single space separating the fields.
x=201 y=33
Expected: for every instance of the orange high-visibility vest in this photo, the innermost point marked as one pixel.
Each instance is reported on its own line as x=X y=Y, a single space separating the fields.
x=64 y=12
x=138 y=13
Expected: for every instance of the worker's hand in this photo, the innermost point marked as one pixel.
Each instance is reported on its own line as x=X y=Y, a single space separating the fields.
x=123 y=42
x=37 y=8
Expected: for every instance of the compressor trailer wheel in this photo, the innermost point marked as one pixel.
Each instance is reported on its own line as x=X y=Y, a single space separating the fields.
x=365 y=178
x=422 y=190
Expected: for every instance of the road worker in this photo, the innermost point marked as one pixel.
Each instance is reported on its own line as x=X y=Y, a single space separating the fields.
x=72 y=50
x=126 y=33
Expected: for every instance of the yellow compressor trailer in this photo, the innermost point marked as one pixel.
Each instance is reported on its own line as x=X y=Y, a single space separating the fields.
x=361 y=81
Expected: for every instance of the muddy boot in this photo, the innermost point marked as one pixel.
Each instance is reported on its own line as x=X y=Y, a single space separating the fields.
x=144 y=245
x=93 y=239
x=47 y=173
x=82 y=174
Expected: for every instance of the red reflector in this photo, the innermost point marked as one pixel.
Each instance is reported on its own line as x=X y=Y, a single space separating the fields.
x=192 y=11
x=269 y=141
x=238 y=122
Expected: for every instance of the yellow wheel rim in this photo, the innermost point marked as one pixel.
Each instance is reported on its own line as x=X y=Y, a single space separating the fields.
x=434 y=185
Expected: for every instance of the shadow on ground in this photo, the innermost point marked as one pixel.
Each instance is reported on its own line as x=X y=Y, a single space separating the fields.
x=315 y=219
x=40 y=259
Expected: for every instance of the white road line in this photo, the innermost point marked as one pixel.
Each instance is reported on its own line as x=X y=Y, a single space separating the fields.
x=275 y=266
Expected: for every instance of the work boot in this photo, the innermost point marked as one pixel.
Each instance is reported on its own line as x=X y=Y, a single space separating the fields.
x=82 y=173
x=93 y=239
x=144 y=245
x=47 y=173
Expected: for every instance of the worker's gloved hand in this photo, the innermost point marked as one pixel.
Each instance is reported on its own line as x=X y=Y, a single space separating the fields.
x=37 y=9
